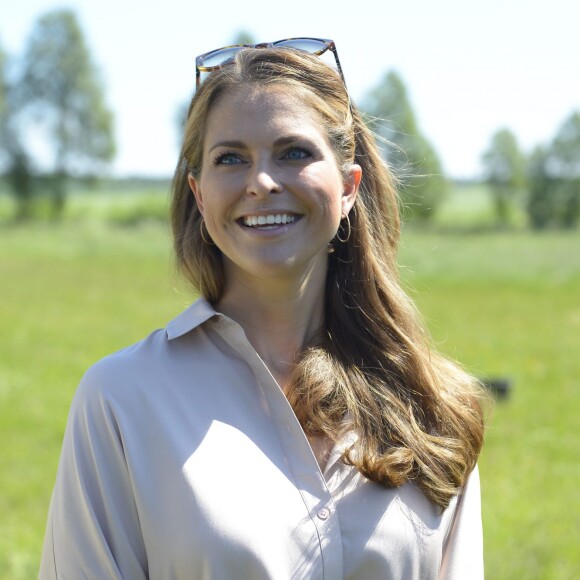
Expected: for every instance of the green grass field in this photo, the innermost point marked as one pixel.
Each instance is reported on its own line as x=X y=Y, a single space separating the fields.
x=504 y=304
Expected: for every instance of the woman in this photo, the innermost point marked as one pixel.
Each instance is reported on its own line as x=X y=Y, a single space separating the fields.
x=293 y=422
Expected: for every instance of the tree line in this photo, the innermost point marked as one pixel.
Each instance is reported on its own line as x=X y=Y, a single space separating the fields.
x=547 y=181
x=53 y=94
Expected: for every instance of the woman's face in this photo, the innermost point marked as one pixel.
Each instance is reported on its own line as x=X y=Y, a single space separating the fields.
x=270 y=189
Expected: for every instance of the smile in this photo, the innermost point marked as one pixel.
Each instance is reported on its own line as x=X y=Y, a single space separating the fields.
x=260 y=221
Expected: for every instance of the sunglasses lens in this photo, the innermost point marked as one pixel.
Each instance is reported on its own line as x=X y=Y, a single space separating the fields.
x=218 y=57
x=311 y=45
x=222 y=56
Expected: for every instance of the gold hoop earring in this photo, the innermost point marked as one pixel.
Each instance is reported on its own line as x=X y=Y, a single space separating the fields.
x=202 y=226
x=344 y=240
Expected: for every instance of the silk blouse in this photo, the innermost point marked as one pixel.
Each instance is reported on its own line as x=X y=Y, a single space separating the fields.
x=182 y=459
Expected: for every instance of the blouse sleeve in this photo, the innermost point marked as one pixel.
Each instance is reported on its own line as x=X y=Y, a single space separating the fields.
x=93 y=526
x=463 y=549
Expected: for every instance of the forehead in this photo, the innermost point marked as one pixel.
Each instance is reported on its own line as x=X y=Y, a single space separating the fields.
x=262 y=111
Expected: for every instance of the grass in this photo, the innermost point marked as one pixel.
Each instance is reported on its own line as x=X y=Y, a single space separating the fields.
x=68 y=296
x=505 y=304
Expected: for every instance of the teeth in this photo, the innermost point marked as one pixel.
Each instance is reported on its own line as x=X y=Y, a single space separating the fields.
x=268 y=220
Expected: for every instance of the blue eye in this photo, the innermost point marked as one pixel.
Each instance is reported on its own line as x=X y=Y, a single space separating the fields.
x=297 y=153
x=227 y=159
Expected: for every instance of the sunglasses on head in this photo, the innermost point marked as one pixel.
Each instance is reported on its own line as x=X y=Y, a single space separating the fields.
x=215 y=59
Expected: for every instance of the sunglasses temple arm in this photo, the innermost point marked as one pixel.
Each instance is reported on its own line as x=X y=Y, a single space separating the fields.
x=338 y=65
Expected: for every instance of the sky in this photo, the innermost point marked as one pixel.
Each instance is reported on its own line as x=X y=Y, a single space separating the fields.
x=471 y=68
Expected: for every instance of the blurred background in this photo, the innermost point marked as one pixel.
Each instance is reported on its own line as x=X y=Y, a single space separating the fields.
x=480 y=107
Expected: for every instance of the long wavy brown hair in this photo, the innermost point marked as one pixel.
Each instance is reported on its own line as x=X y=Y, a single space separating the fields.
x=417 y=415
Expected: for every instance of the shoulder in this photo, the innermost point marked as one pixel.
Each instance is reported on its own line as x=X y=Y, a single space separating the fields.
x=131 y=358
x=163 y=360
x=122 y=370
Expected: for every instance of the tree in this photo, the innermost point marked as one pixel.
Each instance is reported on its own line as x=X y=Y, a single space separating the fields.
x=554 y=179
x=3 y=108
x=505 y=171
x=3 y=83
x=405 y=149
x=13 y=155
x=565 y=164
x=540 y=206
x=61 y=91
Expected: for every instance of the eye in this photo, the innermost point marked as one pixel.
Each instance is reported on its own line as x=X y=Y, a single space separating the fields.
x=227 y=158
x=296 y=154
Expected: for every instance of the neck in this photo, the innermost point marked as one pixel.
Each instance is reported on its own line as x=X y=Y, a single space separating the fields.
x=279 y=316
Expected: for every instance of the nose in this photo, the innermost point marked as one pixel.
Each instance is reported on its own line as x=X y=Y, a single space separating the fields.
x=263 y=179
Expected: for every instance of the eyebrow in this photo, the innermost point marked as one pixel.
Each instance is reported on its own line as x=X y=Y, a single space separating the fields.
x=286 y=140
x=232 y=144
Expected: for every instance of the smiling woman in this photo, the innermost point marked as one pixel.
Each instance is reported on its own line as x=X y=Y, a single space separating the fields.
x=293 y=422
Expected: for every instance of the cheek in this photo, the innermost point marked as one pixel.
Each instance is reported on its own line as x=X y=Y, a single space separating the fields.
x=214 y=198
x=326 y=187
x=331 y=197
x=328 y=213
x=331 y=205
x=214 y=215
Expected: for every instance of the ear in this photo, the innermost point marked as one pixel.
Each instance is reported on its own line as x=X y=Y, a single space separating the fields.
x=194 y=186
x=351 y=184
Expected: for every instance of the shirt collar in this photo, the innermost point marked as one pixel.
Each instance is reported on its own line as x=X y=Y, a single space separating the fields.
x=192 y=317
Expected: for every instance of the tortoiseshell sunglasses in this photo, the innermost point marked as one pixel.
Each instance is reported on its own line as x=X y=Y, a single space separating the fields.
x=217 y=58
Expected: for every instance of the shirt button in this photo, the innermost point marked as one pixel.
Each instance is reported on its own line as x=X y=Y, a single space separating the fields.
x=323 y=513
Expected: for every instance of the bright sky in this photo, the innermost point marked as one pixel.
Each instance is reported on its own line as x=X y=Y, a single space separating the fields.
x=470 y=67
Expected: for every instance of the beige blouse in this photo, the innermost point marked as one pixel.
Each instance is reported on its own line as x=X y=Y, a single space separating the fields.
x=182 y=459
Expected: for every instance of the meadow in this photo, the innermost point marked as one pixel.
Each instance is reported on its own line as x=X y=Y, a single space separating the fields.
x=506 y=303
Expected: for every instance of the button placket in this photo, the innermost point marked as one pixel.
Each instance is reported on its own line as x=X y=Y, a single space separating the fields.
x=310 y=482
